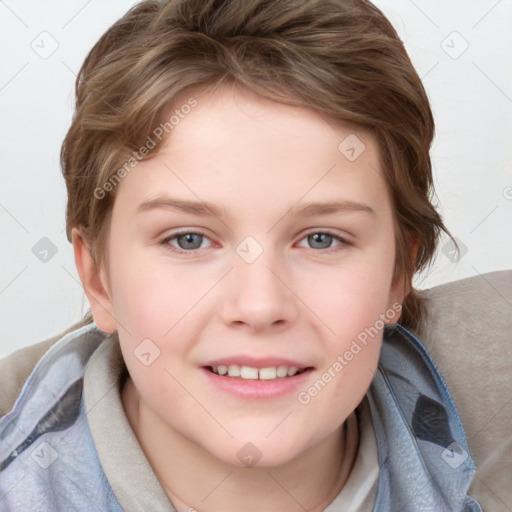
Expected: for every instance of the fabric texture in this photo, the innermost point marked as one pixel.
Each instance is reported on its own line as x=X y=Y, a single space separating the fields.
x=468 y=334
x=47 y=458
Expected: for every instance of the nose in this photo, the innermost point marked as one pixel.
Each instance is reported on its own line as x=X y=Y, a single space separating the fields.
x=258 y=296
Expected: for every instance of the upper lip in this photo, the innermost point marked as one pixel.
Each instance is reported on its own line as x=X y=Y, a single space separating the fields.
x=256 y=362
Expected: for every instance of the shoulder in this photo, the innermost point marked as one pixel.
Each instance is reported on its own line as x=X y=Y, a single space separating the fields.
x=467 y=334
x=15 y=369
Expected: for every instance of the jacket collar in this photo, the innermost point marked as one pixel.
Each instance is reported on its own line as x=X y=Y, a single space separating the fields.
x=423 y=454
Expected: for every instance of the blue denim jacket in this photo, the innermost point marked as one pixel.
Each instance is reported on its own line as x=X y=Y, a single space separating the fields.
x=49 y=463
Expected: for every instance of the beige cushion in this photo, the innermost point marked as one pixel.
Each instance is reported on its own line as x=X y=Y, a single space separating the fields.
x=468 y=335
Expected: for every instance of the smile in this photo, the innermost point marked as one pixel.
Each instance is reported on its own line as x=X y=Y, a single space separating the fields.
x=252 y=373
x=252 y=383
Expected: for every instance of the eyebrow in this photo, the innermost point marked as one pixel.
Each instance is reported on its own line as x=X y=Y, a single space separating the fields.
x=310 y=209
x=203 y=208
x=194 y=207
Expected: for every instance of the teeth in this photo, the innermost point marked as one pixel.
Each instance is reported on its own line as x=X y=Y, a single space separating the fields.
x=292 y=371
x=250 y=373
x=268 y=373
x=282 y=371
x=234 y=370
x=246 y=372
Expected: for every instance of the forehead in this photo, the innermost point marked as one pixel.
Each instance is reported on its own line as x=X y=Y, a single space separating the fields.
x=239 y=118
x=240 y=150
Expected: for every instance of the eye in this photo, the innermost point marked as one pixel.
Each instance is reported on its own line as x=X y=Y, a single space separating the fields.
x=323 y=240
x=187 y=241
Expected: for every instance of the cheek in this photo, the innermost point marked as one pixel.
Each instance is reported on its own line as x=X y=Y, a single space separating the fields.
x=146 y=301
x=350 y=298
x=339 y=386
x=351 y=306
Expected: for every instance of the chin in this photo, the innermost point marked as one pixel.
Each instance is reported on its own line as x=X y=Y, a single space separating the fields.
x=259 y=452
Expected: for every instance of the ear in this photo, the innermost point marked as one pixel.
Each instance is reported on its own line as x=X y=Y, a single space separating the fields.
x=94 y=283
x=396 y=297
x=400 y=288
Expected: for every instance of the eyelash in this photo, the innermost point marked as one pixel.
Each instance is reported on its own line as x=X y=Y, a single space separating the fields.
x=168 y=246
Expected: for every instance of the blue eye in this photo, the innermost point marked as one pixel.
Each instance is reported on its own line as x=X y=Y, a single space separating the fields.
x=323 y=239
x=320 y=238
x=187 y=241
x=190 y=240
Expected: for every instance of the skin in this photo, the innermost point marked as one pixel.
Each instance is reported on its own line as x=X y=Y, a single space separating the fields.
x=256 y=159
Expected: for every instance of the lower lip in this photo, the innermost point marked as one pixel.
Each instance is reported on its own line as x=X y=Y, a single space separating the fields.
x=256 y=388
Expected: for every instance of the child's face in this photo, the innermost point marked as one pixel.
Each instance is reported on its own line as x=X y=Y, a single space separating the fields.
x=252 y=284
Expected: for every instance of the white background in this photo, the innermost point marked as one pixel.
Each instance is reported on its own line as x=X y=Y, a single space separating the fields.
x=471 y=96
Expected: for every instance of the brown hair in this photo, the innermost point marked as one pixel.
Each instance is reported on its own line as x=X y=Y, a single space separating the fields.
x=341 y=58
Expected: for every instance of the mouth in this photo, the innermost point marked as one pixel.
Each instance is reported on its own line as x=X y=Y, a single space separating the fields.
x=247 y=377
x=236 y=371
x=253 y=383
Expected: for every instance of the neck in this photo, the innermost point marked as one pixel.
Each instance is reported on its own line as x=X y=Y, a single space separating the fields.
x=194 y=479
